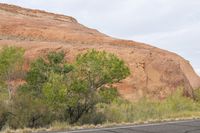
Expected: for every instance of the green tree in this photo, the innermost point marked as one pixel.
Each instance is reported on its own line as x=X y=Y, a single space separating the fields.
x=45 y=82
x=101 y=68
x=55 y=90
x=42 y=68
x=11 y=59
x=94 y=71
x=77 y=88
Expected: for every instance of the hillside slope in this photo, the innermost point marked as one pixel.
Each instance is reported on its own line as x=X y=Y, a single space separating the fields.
x=154 y=72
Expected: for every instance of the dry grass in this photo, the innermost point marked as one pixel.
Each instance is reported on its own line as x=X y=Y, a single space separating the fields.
x=120 y=113
x=66 y=127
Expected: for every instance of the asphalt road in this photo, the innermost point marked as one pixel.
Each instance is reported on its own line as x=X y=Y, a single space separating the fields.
x=190 y=126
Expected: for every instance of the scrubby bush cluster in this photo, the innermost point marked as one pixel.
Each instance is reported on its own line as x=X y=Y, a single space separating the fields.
x=82 y=92
x=175 y=106
x=55 y=90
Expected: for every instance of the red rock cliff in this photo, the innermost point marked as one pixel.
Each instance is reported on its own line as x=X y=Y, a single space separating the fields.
x=154 y=72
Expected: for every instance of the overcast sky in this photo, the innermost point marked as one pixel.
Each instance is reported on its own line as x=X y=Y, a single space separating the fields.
x=170 y=24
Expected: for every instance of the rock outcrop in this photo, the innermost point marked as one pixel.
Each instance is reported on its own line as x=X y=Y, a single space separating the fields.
x=154 y=72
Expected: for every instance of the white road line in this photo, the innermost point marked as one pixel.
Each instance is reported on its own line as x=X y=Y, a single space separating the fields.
x=124 y=127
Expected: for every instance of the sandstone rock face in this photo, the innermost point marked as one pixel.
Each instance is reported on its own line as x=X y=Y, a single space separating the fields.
x=155 y=72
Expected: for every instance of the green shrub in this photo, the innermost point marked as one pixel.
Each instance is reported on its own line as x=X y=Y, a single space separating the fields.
x=29 y=112
x=3 y=114
x=75 y=89
x=146 y=109
x=108 y=95
x=197 y=95
x=11 y=60
x=93 y=117
x=78 y=93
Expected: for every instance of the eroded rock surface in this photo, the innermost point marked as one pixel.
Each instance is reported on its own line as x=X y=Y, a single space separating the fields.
x=154 y=72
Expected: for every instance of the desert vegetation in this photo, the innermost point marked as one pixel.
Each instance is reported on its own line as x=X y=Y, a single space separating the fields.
x=78 y=93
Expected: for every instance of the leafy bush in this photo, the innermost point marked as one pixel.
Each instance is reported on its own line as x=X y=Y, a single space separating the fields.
x=72 y=90
x=93 y=117
x=3 y=114
x=29 y=112
x=145 y=109
x=197 y=95
x=77 y=93
x=11 y=59
x=108 y=95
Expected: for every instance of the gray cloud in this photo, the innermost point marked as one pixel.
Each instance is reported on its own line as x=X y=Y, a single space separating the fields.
x=169 y=24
